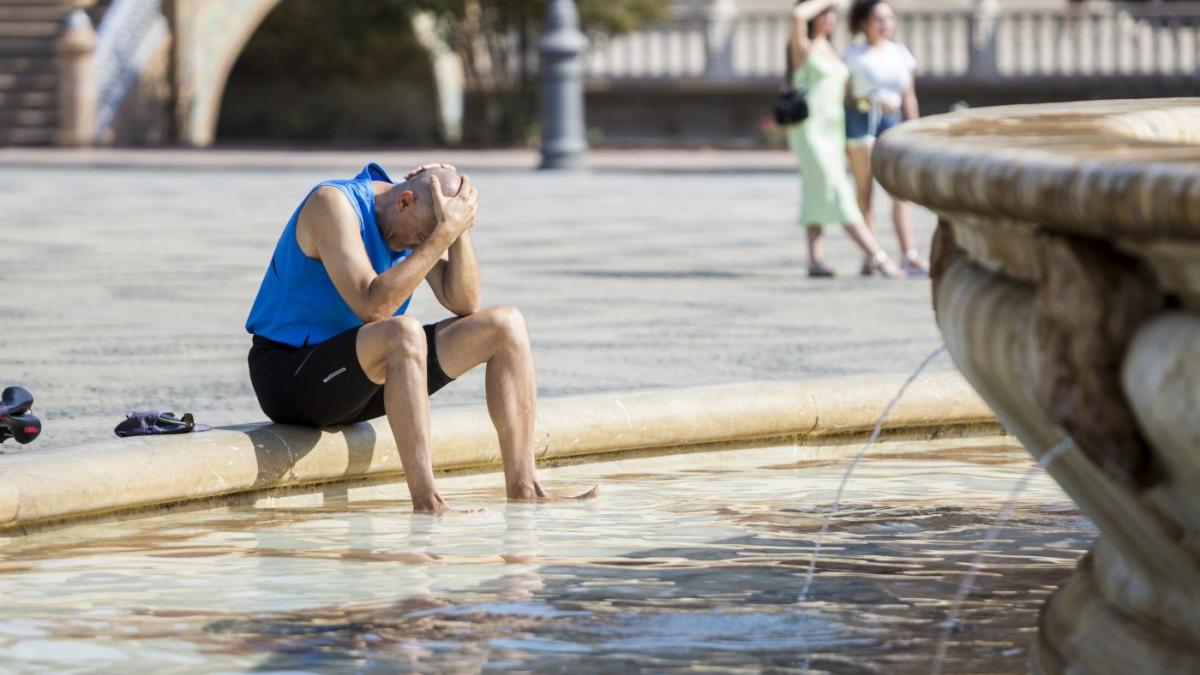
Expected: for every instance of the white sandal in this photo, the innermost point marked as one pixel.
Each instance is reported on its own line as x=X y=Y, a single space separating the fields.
x=914 y=265
x=880 y=263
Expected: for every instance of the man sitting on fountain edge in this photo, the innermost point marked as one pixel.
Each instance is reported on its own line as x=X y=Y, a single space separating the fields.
x=332 y=344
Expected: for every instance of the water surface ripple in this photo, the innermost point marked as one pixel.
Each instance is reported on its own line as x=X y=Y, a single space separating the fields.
x=687 y=561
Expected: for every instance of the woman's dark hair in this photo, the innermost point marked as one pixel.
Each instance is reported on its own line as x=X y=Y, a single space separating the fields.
x=812 y=23
x=860 y=11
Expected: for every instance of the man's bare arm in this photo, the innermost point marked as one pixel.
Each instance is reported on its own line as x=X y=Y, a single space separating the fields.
x=330 y=224
x=455 y=280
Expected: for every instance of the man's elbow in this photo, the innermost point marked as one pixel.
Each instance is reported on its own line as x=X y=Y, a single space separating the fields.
x=372 y=316
x=465 y=308
x=374 y=312
x=466 y=304
x=370 y=307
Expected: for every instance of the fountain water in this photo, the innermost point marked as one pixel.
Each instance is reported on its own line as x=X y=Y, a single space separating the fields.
x=837 y=498
x=986 y=545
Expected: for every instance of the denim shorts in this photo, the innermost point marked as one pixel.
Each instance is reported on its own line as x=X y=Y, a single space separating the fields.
x=859 y=127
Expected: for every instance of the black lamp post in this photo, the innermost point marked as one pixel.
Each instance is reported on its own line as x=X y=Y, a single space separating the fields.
x=564 y=143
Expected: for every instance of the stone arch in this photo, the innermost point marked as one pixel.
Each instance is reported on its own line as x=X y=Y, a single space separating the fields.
x=209 y=34
x=325 y=73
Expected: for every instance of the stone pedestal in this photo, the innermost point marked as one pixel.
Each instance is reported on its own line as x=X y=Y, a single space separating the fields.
x=76 y=81
x=1067 y=286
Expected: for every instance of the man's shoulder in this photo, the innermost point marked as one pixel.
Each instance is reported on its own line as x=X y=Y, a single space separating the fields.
x=328 y=214
x=327 y=193
x=329 y=203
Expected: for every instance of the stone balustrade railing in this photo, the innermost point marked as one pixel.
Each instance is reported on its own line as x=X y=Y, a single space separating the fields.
x=1096 y=39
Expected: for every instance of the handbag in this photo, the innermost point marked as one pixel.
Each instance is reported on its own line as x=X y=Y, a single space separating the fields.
x=791 y=107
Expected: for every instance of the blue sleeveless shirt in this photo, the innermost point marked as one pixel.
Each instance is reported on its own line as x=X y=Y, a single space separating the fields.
x=297 y=303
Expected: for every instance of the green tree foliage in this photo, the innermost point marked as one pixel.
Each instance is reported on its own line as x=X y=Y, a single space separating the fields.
x=597 y=16
x=497 y=43
x=320 y=70
x=620 y=17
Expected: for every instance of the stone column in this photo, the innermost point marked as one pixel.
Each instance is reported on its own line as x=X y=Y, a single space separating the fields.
x=984 y=21
x=563 y=141
x=447 y=75
x=76 y=81
x=719 y=40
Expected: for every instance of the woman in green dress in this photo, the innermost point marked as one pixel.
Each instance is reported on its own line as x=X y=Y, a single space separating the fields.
x=820 y=141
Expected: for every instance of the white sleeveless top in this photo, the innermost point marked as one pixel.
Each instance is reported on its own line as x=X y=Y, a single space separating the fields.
x=881 y=73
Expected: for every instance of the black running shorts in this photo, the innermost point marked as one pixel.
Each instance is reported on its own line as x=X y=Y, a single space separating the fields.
x=323 y=385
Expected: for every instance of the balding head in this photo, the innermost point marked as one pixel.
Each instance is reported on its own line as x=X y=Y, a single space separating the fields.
x=411 y=216
x=422 y=187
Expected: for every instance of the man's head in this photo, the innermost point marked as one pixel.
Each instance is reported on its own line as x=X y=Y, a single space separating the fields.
x=406 y=214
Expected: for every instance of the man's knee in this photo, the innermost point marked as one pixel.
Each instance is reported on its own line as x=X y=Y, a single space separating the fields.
x=508 y=323
x=405 y=339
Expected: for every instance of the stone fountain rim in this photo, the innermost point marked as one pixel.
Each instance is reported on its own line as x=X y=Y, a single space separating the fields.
x=149 y=475
x=1122 y=169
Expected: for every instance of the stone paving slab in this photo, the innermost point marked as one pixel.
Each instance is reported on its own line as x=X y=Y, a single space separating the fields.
x=127 y=287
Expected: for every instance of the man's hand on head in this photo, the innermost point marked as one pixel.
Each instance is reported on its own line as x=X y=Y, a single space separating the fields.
x=425 y=167
x=456 y=214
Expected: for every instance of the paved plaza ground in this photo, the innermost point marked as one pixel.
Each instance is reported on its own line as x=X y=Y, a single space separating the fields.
x=125 y=283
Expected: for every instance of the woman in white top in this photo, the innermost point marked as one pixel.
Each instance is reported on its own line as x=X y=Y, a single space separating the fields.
x=881 y=95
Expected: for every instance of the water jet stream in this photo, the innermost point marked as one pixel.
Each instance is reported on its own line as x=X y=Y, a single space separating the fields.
x=984 y=546
x=837 y=497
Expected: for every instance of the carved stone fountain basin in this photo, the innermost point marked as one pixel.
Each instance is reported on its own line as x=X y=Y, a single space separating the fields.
x=1066 y=280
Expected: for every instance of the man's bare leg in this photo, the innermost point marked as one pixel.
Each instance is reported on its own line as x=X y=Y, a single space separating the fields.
x=392 y=353
x=497 y=337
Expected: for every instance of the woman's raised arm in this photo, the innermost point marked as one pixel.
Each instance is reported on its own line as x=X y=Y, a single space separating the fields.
x=798 y=42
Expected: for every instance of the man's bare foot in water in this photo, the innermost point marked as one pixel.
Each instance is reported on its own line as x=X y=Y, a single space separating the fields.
x=433 y=504
x=526 y=492
x=439 y=508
